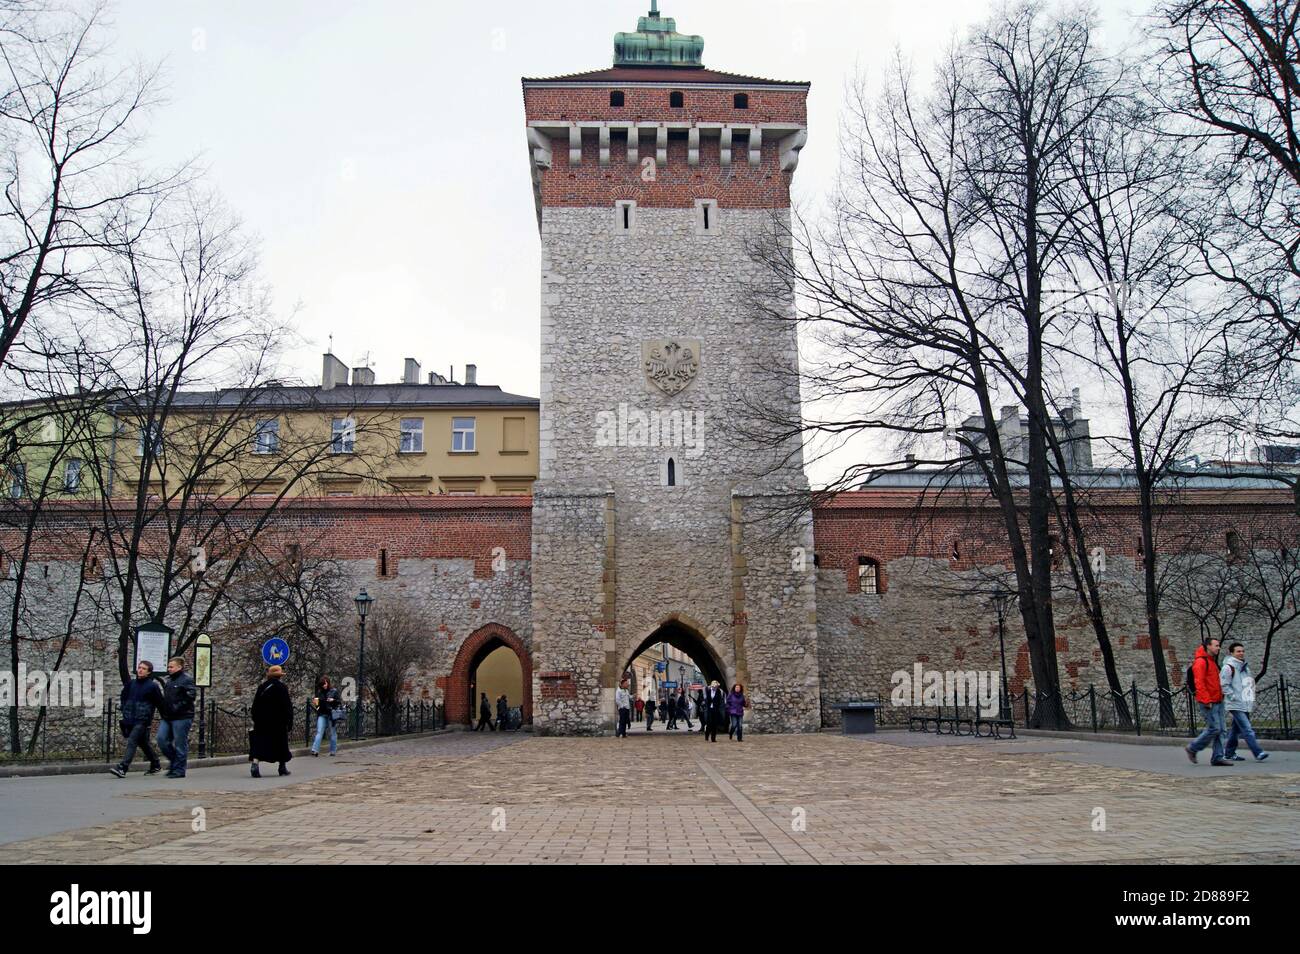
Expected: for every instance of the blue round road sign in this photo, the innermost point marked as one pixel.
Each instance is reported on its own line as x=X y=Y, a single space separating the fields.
x=275 y=652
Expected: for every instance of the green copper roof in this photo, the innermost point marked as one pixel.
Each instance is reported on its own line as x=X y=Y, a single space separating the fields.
x=656 y=42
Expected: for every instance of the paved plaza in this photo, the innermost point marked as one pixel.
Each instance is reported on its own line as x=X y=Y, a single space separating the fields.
x=894 y=798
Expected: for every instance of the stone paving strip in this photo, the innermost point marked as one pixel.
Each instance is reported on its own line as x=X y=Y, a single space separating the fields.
x=462 y=799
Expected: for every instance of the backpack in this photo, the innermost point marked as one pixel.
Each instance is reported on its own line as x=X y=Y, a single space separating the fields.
x=1191 y=678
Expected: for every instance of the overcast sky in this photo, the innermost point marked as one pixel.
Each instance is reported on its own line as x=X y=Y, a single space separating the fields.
x=377 y=148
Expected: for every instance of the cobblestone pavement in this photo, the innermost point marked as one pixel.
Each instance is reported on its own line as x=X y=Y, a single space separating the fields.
x=473 y=798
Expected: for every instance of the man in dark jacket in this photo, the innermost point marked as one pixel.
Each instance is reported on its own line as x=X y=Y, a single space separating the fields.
x=272 y=720
x=699 y=708
x=177 y=716
x=668 y=706
x=684 y=709
x=141 y=698
x=484 y=714
x=503 y=712
x=650 y=707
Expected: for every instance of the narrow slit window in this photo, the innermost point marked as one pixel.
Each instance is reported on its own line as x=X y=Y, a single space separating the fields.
x=706 y=216
x=383 y=561
x=672 y=472
x=627 y=217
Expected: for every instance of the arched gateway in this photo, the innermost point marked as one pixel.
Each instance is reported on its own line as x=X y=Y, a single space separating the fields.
x=461 y=704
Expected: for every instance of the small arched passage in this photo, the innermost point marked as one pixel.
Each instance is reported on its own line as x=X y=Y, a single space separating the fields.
x=461 y=697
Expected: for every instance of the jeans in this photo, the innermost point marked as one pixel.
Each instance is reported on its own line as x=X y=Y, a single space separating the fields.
x=174 y=741
x=624 y=718
x=139 y=737
x=322 y=723
x=1241 y=727
x=737 y=726
x=1213 y=716
x=649 y=720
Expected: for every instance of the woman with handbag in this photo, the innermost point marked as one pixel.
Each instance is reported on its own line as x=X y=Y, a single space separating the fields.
x=272 y=720
x=329 y=711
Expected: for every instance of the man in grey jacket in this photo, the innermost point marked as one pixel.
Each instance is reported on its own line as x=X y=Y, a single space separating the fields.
x=1239 y=699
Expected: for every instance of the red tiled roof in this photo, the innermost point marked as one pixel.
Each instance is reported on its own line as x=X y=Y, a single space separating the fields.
x=683 y=75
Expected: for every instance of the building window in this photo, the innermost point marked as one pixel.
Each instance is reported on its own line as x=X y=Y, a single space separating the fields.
x=1140 y=559
x=90 y=568
x=706 y=216
x=1054 y=551
x=266 y=437
x=72 y=476
x=386 y=565
x=672 y=472
x=150 y=430
x=742 y=101
x=624 y=215
x=344 y=439
x=412 y=441
x=1236 y=548
x=17 y=480
x=676 y=100
x=868 y=575
x=512 y=436
x=293 y=555
x=616 y=98
x=462 y=435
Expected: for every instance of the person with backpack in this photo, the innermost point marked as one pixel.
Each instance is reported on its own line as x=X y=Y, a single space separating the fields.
x=141 y=698
x=1238 y=700
x=1203 y=676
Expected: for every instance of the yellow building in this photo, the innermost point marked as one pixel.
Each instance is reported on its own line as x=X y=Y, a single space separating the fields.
x=346 y=436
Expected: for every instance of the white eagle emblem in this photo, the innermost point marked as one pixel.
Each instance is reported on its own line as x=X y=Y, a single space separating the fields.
x=671 y=365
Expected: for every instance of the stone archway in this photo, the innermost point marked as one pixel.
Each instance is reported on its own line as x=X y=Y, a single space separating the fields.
x=484 y=640
x=684 y=634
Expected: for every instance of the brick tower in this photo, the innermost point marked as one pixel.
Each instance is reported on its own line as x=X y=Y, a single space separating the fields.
x=652 y=516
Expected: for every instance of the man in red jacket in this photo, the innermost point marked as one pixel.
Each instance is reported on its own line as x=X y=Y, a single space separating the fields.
x=1209 y=697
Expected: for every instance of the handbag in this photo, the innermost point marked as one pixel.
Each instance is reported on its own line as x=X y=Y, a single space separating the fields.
x=338 y=714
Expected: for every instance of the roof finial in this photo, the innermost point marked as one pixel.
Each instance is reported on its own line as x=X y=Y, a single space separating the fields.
x=656 y=42
x=654 y=8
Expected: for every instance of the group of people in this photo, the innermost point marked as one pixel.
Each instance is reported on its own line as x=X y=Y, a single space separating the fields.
x=1223 y=693
x=711 y=705
x=485 y=713
x=172 y=699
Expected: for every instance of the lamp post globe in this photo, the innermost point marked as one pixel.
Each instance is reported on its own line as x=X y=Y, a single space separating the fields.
x=363 y=601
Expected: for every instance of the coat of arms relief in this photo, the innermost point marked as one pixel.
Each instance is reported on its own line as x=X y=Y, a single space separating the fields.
x=669 y=364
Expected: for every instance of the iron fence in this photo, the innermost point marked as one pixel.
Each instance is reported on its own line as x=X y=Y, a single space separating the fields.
x=216 y=730
x=1171 y=712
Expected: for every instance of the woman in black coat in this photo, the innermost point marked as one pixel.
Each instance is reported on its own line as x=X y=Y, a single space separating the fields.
x=272 y=720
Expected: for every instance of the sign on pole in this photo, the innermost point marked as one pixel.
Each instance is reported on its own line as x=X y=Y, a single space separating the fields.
x=153 y=643
x=203 y=661
x=275 y=651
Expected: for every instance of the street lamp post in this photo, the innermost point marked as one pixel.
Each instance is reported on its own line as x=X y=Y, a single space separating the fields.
x=363 y=601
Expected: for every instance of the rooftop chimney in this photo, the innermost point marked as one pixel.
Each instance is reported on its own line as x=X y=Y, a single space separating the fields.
x=471 y=374
x=333 y=372
x=436 y=378
x=411 y=372
x=362 y=376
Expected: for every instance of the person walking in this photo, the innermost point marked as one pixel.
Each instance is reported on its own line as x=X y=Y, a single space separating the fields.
x=713 y=713
x=736 y=706
x=272 y=720
x=503 y=712
x=649 y=713
x=141 y=698
x=640 y=709
x=699 y=707
x=623 y=702
x=177 y=717
x=1239 y=700
x=669 y=708
x=328 y=701
x=484 y=714
x=1209 y=697
x=684 y=709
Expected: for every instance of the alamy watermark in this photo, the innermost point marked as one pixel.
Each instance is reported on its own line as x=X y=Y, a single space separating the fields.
x=61 y=689
x=633 y=427
x=978 y=688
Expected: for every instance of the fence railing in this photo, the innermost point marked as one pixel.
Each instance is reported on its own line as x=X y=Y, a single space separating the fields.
x=1155 y=712
x=216 y=730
